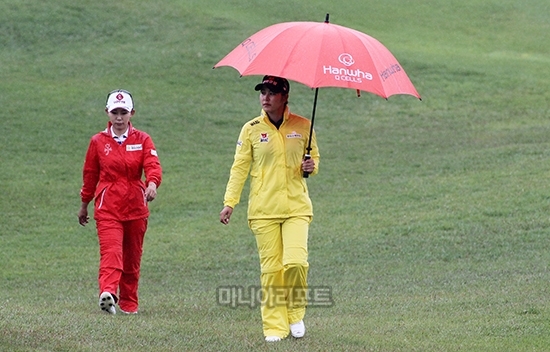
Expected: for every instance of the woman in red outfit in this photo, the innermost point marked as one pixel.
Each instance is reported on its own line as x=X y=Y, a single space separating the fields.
x=113 y=172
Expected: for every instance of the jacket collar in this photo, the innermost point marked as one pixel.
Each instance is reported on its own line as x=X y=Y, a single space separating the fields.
x=128 y=132
x=285 y=114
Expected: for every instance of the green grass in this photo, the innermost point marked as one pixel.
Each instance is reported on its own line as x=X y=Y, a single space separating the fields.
x=431 y=218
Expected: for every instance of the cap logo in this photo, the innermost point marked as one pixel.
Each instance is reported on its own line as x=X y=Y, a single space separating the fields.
x=119 y=96
x=278 y=84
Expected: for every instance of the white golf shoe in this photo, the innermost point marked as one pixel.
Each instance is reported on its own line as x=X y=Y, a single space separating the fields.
x=272 y=339
x=298 y=329
x=107 y=303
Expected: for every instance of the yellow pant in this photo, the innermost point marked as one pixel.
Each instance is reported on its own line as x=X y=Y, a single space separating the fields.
x=282 y=248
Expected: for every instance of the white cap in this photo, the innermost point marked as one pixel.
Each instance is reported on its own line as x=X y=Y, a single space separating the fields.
x=120 y=99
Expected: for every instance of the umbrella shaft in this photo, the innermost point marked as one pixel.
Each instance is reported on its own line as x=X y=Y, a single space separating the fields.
x=308 y=149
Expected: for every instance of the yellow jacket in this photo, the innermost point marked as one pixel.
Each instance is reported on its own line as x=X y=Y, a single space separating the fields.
x=274 y=159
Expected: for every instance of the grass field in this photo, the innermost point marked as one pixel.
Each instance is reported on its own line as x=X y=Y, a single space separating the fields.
x=431 y=224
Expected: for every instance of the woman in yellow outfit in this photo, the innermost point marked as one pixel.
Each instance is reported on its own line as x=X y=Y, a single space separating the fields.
x=271 y=149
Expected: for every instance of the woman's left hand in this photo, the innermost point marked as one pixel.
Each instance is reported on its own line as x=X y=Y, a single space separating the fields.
x=151 y=191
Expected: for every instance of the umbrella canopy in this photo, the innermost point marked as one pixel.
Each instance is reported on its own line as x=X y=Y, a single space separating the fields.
x=321 y=54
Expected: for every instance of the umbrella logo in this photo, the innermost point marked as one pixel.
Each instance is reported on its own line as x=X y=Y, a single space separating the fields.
x=250 y=47
x=347 y=74
x=393 y=69
x=346 y=59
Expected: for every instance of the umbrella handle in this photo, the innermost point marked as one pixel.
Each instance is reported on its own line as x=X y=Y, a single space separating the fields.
x=305 y=173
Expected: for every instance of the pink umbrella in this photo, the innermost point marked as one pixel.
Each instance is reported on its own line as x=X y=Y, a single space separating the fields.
x=321 y=55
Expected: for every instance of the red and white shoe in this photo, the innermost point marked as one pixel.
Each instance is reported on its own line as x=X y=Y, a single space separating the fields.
x=107 y=303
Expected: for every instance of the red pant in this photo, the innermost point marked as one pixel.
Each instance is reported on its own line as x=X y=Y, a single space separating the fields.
x=120 y=249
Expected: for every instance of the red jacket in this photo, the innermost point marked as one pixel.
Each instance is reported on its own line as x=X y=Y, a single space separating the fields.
x=112 y=175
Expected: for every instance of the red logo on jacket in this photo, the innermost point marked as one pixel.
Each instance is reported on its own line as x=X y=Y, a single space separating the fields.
x=107 y=149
